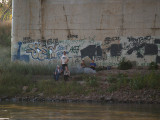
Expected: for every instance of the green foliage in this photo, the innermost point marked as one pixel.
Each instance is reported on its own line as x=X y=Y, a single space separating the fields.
x=123 y=80
x=60 y=88
x=112 y=88
x=153 y=66
x=92 y=81
x=117 y=82
x=6 y=11
x=137 y=82
x=150 y=80
x=124 y=65
x=111 y=79
x=12 y=83
x=23 y=68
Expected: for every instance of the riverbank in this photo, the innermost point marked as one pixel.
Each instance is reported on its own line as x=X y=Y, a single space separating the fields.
x=109 y=86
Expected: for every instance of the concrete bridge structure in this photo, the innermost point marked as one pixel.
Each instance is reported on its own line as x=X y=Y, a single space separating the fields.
x=103 y=30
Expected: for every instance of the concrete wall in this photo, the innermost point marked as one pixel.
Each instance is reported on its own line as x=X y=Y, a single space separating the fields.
x=103 y=30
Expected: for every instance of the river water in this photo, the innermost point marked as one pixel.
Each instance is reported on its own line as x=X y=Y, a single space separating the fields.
x=78 y=111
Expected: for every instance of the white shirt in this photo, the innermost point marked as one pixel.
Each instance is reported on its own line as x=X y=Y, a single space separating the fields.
x=64 y=58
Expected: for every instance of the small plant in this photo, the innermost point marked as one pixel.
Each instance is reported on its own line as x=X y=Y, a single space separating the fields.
x=123 y=80
x=153 y=66
x=137 y=82
x=124 y=65
x=112 y=79
x=112 y=88
x=92 y=81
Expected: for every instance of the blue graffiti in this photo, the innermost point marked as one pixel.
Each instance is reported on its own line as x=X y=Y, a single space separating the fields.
x=19 y=56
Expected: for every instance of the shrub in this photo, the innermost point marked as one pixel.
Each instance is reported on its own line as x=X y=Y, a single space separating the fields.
x=92 y=81
x=124 y=65
x=153 y=66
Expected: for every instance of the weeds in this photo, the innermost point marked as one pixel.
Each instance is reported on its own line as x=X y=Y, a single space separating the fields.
x=60 y=88
x=12 y=83
x=124 y=65
x=117 y=82
x=91 y=81
x=153 y=66
x=22 y=68
x=112 y=79
x=151 y=80
x=112 y=88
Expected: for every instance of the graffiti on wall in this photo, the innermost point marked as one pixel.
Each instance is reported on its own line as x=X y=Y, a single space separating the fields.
x=20 y=57
x=141 y=45
x=109 y=51
x=70 y=36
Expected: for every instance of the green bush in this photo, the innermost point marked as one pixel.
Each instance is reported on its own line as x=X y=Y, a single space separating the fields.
x=92 y=81
x=124 y=65
x=153 y=66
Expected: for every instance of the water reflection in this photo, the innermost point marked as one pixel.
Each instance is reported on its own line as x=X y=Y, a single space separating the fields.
x=76 y=111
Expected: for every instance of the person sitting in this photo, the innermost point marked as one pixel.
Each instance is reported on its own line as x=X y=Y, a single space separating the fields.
x=93 y=65
x=66 y=73
x=57 y=73
x=83 y=65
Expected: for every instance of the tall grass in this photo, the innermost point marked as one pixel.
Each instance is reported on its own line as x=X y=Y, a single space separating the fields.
x=138 y=81
x=151 y=80
x=11 y=83
x=33 y=69
x=60 y=88
x=91 y=81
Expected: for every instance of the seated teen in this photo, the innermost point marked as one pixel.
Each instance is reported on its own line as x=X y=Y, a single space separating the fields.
x=93 y=65
x=83 y=65
x=57 y=73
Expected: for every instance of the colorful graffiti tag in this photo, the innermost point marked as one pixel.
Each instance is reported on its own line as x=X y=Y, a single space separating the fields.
x=107 y=52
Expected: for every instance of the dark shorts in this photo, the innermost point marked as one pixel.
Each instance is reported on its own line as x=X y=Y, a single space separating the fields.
x=63 y=66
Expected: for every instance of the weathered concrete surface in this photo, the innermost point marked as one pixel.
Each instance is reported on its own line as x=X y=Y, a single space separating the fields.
x=104 y=30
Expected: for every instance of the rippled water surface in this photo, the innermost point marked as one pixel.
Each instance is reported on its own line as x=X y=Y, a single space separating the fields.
x=78 y=111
